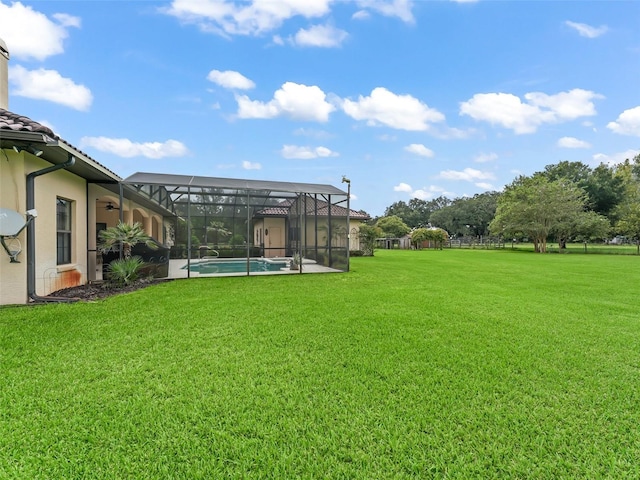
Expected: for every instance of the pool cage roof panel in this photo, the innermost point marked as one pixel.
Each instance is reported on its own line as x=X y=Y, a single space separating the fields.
x=265 y=187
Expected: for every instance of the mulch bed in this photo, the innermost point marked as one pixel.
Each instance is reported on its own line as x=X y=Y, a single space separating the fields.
x=96 y=291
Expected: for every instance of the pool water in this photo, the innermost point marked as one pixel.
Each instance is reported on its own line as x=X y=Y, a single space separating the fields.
x=236 y=266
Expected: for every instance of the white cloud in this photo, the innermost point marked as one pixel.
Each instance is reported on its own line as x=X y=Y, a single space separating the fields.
x=572 y=142
x=569 y=105
x=244 y=18
x=485 y=157
x=403 y=187
x=361 y=15
x=419 y=149
x=394 y=8
x=123 y=147
x=509 y=111
x=49 y=85
x=506 y=110
x=251 y=165
x=43 y=37
x=615 y=158
x=451 y=133
x=587 y=30
x=299 y=102
x=628 y=123
x=402 y=112
x=424 y=193
x=468 y=174
x=485 y=186
x=306 y=153
x=311 y=133
x=230 y=79
x=325 y=36
x=385 y=137
x=67 y=20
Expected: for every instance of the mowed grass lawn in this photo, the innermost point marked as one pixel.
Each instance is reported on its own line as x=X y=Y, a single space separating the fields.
x=417 y=364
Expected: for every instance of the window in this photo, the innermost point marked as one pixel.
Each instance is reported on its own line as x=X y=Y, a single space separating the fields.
x=63 y=231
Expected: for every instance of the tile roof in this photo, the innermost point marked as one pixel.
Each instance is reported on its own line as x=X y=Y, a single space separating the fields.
x=19 y=123
x=282 y=209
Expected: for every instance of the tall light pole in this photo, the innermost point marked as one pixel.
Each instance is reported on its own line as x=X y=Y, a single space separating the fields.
x=348 y=182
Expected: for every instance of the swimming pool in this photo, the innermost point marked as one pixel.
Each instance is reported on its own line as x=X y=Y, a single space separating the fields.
x=236 y=265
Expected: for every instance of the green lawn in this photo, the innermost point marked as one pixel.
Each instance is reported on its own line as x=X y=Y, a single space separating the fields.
x=417 y=364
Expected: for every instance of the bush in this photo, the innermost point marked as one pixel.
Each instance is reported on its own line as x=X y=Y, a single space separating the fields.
x=356 y=253
x=368 y=235
x=125 y=271
x=236 y=240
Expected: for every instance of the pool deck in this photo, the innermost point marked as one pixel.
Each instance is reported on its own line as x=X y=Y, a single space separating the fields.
x=177 y=270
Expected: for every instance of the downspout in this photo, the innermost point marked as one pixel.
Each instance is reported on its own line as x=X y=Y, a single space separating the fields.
x=31 y=233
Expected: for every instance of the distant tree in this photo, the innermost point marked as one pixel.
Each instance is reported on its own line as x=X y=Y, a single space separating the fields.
x=393 y=226
x=576 y=172
x=628 y=210
x=591 y=226
x=400 y=209
x=439 y=236
x=436 y=235
x=583 y=226
x=368 y=235
x=604 y=190
x=416 y=212
x=535 y=207
x=451 y=219
x=218 y=228
x=419 y=236
x=467 y=216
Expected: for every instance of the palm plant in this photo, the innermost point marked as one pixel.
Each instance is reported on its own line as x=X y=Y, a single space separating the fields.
x=125 y=271
x=125 y=235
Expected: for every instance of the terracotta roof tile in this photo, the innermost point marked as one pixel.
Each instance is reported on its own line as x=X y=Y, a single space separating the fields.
x=323 y=210
x=15 y=122
x=19 y=123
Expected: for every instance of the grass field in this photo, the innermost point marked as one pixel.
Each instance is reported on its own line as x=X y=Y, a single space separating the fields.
x=417 y=364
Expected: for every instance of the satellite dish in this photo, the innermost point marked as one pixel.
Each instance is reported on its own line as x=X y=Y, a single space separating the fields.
x=11 y=222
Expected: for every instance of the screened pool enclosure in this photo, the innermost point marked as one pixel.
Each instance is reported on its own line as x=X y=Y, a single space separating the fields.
x=232 y=226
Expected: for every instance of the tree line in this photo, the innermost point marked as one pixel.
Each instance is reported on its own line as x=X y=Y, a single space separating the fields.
x=567 y=201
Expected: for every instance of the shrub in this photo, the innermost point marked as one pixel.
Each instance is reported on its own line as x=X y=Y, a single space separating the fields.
x=368 y=235
x=125 y=271
x=236 y=240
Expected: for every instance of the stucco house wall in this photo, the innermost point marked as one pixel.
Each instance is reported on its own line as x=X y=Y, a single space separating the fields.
x=48 y=275
x=59 y=184
x=13 y=276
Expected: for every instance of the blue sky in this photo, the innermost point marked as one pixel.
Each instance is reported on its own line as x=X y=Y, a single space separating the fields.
x=406 y=98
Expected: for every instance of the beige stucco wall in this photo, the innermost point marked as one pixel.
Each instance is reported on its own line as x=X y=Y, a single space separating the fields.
x=279 y=223
x=60 y=183
x=14 y=168
x=13 y=276
x=354 y=234
x=275 y=240
x=85 y=263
